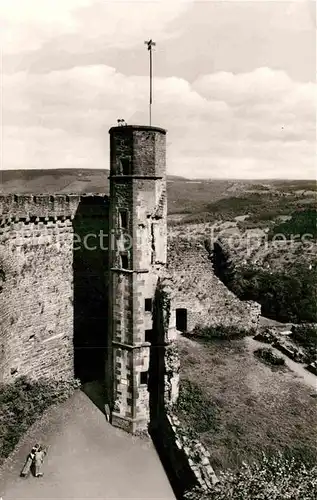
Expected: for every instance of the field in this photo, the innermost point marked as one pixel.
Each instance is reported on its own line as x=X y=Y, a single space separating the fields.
x=240 y=407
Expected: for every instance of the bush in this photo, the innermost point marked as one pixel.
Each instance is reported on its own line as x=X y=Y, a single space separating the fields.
x=220 y=332
x=306 y=336
x=269 y=357
x=22 y=402
x=287 y=296
x=302 y=222
x=275 y=478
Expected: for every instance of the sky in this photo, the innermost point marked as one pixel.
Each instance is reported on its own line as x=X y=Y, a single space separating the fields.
x=234 y=83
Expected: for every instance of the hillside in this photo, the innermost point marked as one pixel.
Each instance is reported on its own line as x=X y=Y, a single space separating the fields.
x=54 y=181
x=187 y=198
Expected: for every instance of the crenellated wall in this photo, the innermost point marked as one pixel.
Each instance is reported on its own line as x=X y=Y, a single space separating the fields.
x=45 y=283
x=17 y=207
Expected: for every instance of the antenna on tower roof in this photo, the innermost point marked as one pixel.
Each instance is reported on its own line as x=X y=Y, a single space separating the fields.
x=150 y=44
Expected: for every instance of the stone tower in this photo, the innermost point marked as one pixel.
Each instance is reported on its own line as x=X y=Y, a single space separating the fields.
x=138 y=254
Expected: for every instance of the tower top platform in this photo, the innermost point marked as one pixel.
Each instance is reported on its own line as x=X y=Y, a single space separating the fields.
x=145 y=128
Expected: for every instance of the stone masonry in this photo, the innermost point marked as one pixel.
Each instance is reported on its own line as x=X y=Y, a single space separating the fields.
x=138 y=217
x=199 y=292
x=37 y=286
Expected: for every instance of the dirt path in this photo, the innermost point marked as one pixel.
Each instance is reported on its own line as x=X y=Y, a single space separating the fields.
x=87 y=458
x=308 y=378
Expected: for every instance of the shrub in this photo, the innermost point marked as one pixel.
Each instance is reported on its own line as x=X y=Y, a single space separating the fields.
x=306 y=336
x=302 y=222
x=269 y=357
x=220 y=332
x=286 y=296
x=22 y=402
x=277 y=478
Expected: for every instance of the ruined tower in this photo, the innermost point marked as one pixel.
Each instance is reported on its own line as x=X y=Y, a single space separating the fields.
x=138 y=226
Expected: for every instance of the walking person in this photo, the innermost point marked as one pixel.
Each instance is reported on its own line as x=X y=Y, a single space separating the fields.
x=27 y=466
x=38 y=461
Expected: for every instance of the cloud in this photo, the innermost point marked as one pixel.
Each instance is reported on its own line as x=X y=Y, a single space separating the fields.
x=63 y=87
x=257 y=124
x=79 y=26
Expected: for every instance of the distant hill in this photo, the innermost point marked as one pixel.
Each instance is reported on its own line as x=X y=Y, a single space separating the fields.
x=185 y=196
x=54 y=181
x=60 y=180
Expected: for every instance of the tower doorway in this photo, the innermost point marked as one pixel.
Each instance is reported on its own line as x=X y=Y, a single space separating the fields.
x=181 y=319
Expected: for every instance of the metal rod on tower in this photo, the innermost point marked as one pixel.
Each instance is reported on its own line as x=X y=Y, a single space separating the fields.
x=150 y=44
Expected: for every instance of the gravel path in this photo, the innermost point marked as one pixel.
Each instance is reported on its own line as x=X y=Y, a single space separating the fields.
x=87 y=458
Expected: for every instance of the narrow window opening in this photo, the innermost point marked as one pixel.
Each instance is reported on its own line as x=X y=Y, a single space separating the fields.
x=124 y=262
x=181 y=320
x=152 y=244
x=148 y=304
x=123 y=219
x=144 y=378
x=126 y=166
x=148 y=335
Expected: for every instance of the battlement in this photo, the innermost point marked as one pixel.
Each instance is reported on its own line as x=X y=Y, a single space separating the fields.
x=15 y=207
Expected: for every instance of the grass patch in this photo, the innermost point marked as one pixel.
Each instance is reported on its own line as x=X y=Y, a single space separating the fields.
x=193 y=406
x=23 y=402
x=245 y=408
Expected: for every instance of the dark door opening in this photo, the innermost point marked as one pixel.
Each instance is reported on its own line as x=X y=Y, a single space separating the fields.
x=181 y=320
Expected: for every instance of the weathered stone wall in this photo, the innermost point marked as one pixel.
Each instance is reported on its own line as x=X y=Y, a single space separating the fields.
x=37 y=294
x=192 y=454
x=197 y=289
x=164 y=358
x=185 y=458
x=36 y=301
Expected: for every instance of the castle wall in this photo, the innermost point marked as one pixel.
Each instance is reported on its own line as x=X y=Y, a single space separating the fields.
x=184 y=457
x=197 y=289
x=36 y=329
x=40 y=284
x=16 y=207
